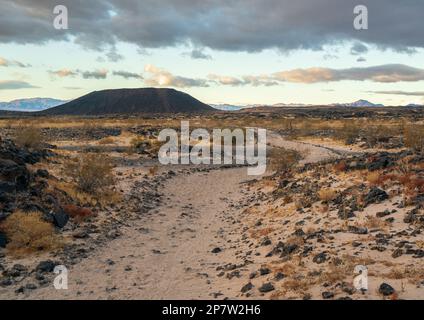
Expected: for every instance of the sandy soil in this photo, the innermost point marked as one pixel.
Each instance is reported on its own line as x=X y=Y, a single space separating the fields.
x=167 y=253
x=192 y=247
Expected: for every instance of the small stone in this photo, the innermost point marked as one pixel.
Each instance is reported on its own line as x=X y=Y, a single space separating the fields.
x=31 y=286
x=45 y=266
x=327 y=295
x=320 y=258
x=386 y=289
x=216 y=250
x=397 y=253
x=279 y=276
x=266 y=287
x=247 y=287
x=264 y=271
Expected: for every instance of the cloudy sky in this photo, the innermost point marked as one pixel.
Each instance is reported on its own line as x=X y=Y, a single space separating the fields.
x=220 y=51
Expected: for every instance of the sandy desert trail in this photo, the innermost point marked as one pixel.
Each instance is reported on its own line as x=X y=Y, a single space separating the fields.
x=168 y=253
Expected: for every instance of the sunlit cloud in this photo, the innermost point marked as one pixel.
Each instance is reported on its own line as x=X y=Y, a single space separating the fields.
x=12 y=63
x=162 y=78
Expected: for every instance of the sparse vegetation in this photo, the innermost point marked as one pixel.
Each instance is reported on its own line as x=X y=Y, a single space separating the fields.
x=107 y=140
x=281 y=159
x=92 y=173
x=414 y=137
x=28 y=232
x=327 y=194
x=29 y=137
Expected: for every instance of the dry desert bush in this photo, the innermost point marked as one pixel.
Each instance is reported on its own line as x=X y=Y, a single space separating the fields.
x=107 y=140
x=29 y=137
x=327 y=194
x=92 y=173
x=414 y=137
x=28 y=232
x=148 y=144
x=281 y=159
x=374 y=178
x=153 y=170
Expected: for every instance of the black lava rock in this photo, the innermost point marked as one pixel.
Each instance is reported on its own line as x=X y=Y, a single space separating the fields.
x=60 y=219
x=3 y=240
x=247 y=287
x=386 y=289
x=320 y=258
x=45 y=266
x=327 y=295
x=376 y=195
x=266 y=287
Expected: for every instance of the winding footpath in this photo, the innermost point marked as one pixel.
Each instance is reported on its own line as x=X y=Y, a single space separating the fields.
x=173 y=251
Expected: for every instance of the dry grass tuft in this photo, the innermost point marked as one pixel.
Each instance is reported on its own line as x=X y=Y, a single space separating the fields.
x=107 y=140
x=374 y=178
x=153 y=170
x=281 y=160
x=29 y=137
x=28 y=232
x=413 y=136
x=327 y=195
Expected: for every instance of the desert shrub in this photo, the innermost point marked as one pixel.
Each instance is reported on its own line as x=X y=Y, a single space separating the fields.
x=349 y=132
x=281 y=159
x=413 y=136
x=327 y=194
x=153 y=170
x=373 y=177
x=375 y=134
x=29 y=137
x=107 y=140
x=146 y=144
x=92 y=173
x=28 y=232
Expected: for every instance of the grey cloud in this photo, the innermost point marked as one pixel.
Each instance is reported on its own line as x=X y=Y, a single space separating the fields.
x=243 y=81
x=358 y=48
x=114 y=56
x=198 y=54
x=237 y=25
x=128 y=75
x=97 y=74
x=400 y=93
x=13 y=85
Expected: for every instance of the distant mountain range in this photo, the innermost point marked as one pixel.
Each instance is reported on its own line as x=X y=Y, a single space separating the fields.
x=144 y=100
x=359 y=103
x=33 y=104
x=229 y=107
x=131 y=101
